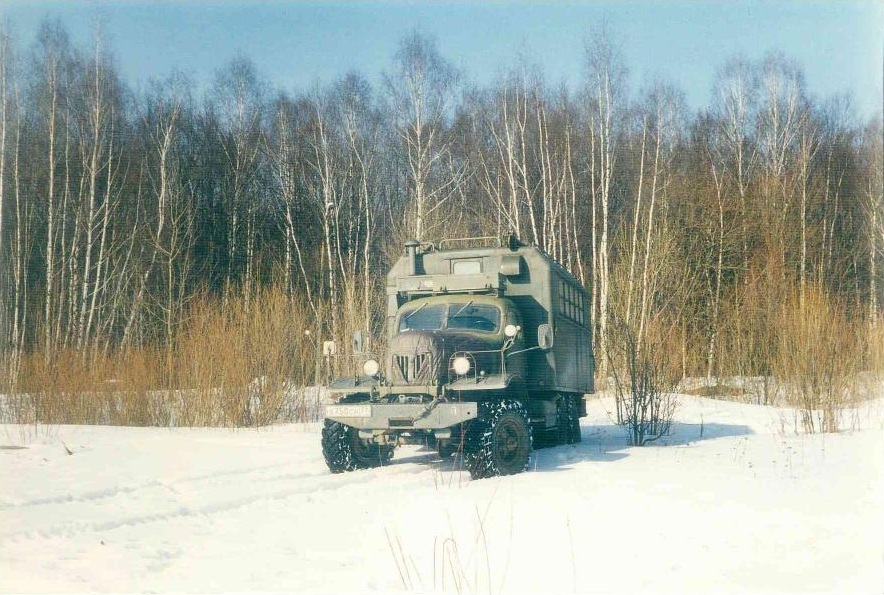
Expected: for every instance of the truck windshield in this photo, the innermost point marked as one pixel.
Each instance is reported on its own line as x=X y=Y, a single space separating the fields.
x=423 y=318
x=458 y=315
x=474 y=317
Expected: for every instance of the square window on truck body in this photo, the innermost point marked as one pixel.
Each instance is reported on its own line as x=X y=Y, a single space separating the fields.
x=466 y=267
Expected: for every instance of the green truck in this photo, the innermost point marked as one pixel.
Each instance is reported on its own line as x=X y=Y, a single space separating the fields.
x=489 y=353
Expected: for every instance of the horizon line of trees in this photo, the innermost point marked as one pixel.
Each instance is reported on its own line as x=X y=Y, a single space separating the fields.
x=118 y=209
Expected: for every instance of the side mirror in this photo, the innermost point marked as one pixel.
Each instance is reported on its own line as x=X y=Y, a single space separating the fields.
x=545 y=337
x=357 y=343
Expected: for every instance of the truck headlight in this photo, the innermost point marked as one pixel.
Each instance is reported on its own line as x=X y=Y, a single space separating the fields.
x=371 y=367
x=460 y=365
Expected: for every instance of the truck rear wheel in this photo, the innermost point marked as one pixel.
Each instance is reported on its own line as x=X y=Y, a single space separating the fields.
x=568 y=421
x=577 y=435
x=499 y=442
x=343 y=450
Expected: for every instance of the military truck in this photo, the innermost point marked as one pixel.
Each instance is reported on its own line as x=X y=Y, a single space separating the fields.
x=489 y=352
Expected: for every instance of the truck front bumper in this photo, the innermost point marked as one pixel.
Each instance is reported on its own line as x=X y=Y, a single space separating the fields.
x=401 y=416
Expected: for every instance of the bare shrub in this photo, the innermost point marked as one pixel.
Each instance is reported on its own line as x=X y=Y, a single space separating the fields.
x=818 y=357
x=645 y=343
x=644 y=389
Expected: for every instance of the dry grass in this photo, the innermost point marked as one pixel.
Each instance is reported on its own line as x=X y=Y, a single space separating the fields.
x=715 y=391
x=820 y=353
x=749 y=342
x=875 y=350
x=247 y=363
x=238 y=363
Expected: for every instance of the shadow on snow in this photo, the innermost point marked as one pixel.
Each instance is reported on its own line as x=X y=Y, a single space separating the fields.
x=605 y=443
x=610 y=442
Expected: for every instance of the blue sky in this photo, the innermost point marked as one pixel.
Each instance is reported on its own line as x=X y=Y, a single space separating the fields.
x=840 y=44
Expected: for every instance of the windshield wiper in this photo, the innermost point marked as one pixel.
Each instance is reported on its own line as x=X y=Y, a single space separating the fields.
x=465 y=306
x=415 y=311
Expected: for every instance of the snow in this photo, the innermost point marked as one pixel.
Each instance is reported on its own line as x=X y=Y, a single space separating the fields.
x=735 y=501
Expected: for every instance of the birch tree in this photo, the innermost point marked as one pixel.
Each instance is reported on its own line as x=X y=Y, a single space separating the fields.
x=873 y=198
x=6 y=338
x=238 y=97
x=286 y=159
x=361 y=126
x=97 y=123
x=422 y=90
x=782 y=115
x=666 y=111
x=52 y=65
x=4 y=124
x=606 y=90
x=167 y=216
x=509 y=126
x=735 y=107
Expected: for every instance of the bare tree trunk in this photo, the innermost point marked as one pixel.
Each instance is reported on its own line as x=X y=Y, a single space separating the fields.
x=52 y=82
x=103 y=258
x=363 y=161
x=5 y=313
x=283 y=165
x=20 y=273
x=327 y=198
x=4 y=116
x=645 y=294
x=873 y=257
x=719 y=265
x=807 y=151
x=633 y=249
x=162 y=136
x=572 y=183
x=96 y=121
x=594 y=270
x=874 y=191
x=606 y=153
x=422 y=91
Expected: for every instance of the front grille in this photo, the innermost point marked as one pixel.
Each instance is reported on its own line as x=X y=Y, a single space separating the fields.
x=402 y=366
x=413 y=368
x=420 y=362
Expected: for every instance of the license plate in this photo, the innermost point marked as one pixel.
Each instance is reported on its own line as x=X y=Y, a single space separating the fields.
x=348 y=411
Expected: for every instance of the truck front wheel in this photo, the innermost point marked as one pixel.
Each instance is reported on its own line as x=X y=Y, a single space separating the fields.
x=499 y=442
x=345 y=451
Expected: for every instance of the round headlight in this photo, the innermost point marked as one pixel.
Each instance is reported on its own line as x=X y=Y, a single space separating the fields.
x=371 y=367
x=510 y=330
x=460 y=365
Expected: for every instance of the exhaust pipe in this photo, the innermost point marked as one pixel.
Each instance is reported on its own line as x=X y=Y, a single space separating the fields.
x=411 y=247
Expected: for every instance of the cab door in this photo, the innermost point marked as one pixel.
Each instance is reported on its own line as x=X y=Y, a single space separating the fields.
x=516 y=363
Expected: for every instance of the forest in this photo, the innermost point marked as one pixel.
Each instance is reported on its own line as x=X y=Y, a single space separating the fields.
x=167 y=245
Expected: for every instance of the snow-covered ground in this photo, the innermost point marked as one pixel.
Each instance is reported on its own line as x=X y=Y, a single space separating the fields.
x=734 y=502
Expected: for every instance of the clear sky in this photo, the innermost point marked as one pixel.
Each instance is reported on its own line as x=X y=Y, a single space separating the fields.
x=840 y=44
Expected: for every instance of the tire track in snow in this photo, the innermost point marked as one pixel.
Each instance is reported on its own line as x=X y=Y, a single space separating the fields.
x=316 y=483
x=110 y=492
